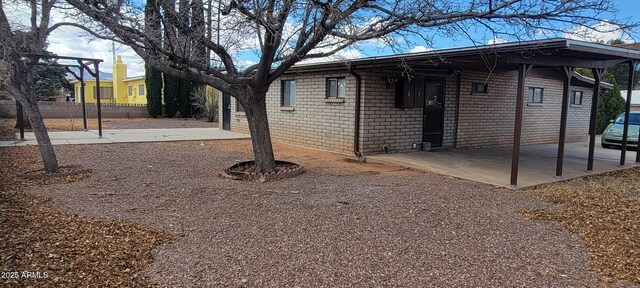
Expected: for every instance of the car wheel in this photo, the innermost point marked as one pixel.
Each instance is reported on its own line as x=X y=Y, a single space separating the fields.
x=605 y=146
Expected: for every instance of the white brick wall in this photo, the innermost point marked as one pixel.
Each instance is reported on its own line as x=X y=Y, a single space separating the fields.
x=485 y=119
x=488 y=119
x=385 y=125
x=315 y=122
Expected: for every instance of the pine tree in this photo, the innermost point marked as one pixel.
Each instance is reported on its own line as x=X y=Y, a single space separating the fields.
x=153 y=82
x=199 y=53
x=153 y=77
x=170 y=92
x=183 y=100
x=170 y=88
x=610 y=104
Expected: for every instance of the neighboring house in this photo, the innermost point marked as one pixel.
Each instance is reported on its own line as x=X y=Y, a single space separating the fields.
x=118 y=90
x=462 y=97
x=635 y=99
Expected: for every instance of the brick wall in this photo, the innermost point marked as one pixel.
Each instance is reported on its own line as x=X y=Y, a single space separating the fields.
x=485 y=119
x=385 y=125
x=315 y=121
x=488 y=119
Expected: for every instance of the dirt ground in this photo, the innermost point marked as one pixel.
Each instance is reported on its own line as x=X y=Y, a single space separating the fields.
x=342 y=223
x=7 y=131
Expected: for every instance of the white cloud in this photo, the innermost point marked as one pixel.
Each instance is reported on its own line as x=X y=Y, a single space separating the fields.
x=420 y=48
x=496 y=40
x=339 y=56
x=66 y=41
x=601 y=32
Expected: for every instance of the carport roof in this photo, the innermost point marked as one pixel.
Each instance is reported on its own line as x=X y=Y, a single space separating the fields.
x=541 y=53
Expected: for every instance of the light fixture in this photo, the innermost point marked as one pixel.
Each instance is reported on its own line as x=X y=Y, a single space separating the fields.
x=390 y=81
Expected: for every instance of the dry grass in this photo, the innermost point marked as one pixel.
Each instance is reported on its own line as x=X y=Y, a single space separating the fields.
x=604 y=210
x=71 y=250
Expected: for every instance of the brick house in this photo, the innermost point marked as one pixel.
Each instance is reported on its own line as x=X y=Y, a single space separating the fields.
x=454 y=98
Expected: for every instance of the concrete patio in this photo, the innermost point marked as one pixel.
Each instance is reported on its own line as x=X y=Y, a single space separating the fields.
x=128 y=136
x=493 y=165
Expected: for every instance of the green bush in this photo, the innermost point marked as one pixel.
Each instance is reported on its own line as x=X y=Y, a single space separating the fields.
x=610 y=104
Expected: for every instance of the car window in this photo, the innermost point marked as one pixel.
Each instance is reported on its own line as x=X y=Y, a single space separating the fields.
x=634 y=120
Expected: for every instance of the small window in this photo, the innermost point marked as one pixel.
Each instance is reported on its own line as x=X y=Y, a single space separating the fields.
x=479 y=87
x=288 y=94
x=336 y=87
x=141 y=89
x=535 y=95
x=239 y=107
x=130 y=90
x=576 y=97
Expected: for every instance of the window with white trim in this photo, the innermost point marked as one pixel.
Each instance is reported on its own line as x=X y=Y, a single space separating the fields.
x=576 y=97
x=288 y=93
x=535 y=95
x=336 y=87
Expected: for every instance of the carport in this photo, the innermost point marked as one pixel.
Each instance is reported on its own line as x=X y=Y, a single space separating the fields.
x=550 y=56
x=493 y=165
x=567 y=55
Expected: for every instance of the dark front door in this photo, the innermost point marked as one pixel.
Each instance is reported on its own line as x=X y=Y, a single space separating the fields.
x=433 y=124
x=226 y=112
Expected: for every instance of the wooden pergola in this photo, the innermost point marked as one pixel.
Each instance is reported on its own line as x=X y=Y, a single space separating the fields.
x=83 y=64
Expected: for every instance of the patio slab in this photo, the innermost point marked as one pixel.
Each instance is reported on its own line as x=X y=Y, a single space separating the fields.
x=128 y=136
x=493 y=165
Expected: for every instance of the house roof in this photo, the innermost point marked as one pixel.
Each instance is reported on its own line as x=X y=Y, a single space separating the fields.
x=91 y=80
x=109 y=80
x=541 y=53
x=589 y=80
x=632 y=46
x=635 y=96
x=133 y=78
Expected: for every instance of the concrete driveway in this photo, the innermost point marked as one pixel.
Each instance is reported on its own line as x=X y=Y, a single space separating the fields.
x=129 y=136
x=493 y=165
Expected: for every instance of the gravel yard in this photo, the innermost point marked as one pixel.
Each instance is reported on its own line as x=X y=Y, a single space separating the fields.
x=339 y=224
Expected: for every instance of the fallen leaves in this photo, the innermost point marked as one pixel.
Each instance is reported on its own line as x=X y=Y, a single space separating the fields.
x=72 y=250
x=604 y=210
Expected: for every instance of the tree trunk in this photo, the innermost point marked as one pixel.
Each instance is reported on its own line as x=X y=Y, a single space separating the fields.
x=44 y=142
x=256 y=113
x=25 y=119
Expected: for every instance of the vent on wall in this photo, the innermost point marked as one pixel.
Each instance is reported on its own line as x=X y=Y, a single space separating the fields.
x=477 y=87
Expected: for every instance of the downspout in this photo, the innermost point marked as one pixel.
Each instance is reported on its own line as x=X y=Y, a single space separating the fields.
x=356 y=128
x=455 y=135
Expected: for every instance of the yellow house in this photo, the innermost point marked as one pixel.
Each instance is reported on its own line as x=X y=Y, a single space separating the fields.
x=119 y=90
x=106 y=91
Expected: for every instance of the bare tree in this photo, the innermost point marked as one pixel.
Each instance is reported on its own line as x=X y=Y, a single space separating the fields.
x=17 y=45
x=287 y=32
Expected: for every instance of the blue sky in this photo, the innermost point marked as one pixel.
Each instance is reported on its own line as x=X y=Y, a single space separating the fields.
x=66 y=42
x=628 y=10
